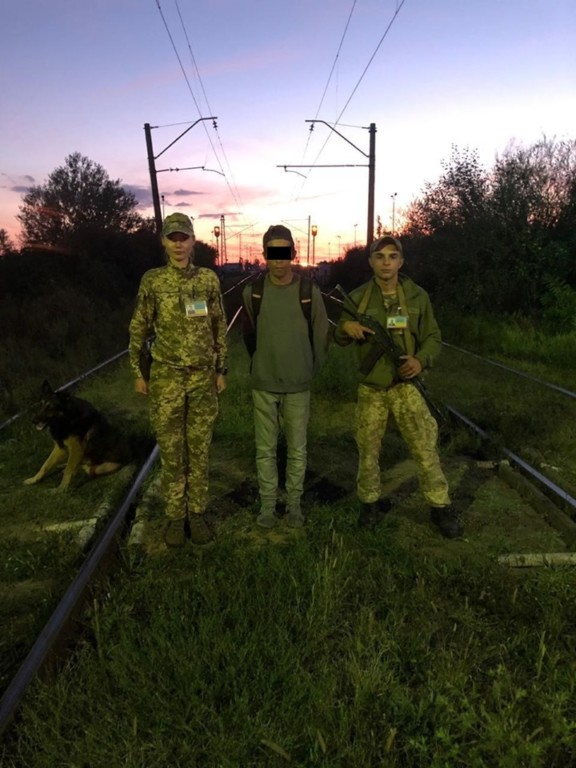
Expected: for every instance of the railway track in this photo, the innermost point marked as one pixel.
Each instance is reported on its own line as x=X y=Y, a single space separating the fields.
x=556 y=504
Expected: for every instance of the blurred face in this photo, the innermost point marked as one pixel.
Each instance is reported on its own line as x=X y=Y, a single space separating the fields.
x=280 y=270
x=386 y=264
x=178 y=247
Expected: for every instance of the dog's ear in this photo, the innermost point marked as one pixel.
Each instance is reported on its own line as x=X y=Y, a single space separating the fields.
x=46 y=388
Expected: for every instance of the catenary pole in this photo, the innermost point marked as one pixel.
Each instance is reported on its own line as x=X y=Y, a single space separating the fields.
x=152 y=165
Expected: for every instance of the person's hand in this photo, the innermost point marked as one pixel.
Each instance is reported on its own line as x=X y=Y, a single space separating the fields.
x=410 y=368
x=220 y=382
x=355 y=330
x=140 y=386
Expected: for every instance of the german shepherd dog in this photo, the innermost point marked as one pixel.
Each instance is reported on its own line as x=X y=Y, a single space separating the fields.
x=82 y=436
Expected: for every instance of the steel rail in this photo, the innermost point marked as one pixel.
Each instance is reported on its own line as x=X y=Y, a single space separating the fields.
x=507 y=368
x=554 y=489
x=73 y=596
x=65 y=609
x=558 y=492
x=240 y=282
x=63 y=612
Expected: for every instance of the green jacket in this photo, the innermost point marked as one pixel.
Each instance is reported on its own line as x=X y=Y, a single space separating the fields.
x=422 y=327
x=197 y=341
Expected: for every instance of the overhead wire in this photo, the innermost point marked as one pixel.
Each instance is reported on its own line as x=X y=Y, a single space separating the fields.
x=366 y=68
x=234 y=194
x=336 y=57
x=371 y=59
x=178 y=57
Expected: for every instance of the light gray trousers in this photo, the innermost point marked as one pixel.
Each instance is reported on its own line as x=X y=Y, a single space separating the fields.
x=273 y=412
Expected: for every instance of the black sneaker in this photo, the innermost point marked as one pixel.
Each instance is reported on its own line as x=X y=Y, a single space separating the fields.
x=446 y=520
x=295 y=518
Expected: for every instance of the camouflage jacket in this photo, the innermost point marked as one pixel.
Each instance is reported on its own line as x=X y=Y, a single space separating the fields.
x=183 y=308
x=422 y=327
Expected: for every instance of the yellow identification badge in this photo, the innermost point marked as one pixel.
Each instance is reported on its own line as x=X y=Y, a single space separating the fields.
x=397 y=321
x=195 y=308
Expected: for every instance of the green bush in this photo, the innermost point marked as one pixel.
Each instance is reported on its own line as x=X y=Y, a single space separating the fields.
x=558 y=307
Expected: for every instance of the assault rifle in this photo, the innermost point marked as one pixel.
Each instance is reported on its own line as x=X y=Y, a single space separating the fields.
x=383 y=344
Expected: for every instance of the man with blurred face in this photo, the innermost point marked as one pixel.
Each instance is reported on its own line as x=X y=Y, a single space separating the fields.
x=286 y=332
x=404 y=309
x=181 y=305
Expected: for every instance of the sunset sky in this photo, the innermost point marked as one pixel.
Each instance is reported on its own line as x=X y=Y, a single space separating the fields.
x=85 y=76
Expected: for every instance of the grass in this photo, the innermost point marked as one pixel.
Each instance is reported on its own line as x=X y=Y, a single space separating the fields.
x=515 y=340
x=333 y=649
x=533 y=421
x=41 y=545
x=330 y=647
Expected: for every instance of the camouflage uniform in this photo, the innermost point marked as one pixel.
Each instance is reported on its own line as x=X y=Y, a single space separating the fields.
x=417 y=427
x=380 y=392
x=189 y=347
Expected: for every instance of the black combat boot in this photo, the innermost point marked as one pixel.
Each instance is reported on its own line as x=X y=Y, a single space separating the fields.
x=446 y=520
x=175 y=533
x=371 y=513
x=200 y=532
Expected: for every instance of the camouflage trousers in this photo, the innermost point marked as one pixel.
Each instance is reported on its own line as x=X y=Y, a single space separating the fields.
x=290 y=412
x=417 y=427
x=183 y=408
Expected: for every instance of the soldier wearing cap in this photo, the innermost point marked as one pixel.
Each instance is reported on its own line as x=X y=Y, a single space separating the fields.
x=181 y=305
x=405 y=310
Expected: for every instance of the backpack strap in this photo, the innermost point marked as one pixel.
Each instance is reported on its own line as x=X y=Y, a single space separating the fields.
x=256 y=293
x=408 y=340
x=252 y=304
x=306 y=306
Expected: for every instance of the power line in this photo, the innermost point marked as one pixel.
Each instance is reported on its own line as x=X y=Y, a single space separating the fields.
x=336 y=58
x=366 y=68
x=233 y=194
x=192 y=56
x=326 y=87
x=178 y=57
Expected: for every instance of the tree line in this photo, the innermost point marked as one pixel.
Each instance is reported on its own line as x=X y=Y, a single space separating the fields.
x=66 y=296
x=499 y=240
x=481 y=241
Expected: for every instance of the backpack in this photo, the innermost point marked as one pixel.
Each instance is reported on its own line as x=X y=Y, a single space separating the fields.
x=256 y=293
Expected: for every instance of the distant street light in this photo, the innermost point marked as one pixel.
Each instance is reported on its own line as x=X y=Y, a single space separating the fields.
x=393 y=212
x=216 y=232
x=314 y=231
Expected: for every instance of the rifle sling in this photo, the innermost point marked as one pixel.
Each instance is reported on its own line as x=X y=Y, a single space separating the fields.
x=408 y=338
